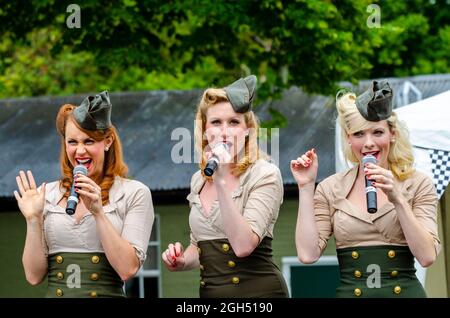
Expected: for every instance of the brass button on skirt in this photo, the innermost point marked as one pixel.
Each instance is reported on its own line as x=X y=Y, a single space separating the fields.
x=395 y=265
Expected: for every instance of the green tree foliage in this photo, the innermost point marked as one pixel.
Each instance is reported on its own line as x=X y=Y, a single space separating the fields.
x=162 y=44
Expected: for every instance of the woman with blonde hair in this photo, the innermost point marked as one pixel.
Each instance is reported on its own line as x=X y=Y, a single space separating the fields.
x=90 y=251
x=235 y=199
x=381 y=224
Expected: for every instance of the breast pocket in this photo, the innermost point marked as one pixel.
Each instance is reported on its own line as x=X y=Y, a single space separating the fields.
x=58 y=232
x=390 y=227
x=342 y=223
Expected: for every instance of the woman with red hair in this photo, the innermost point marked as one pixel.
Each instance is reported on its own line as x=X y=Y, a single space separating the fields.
x=89 y=253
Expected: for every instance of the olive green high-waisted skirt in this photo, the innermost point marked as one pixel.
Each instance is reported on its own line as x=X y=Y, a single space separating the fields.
x=79 y=275
x=224 y=275
x=378 y=271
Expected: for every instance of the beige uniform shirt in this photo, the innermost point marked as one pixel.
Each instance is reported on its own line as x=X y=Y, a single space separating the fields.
x=351 y=227
x=258 y=199
x=130 y=210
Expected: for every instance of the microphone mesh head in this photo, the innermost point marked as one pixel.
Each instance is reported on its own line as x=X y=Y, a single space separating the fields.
x=80 y=169
x=225 y=145
x=369 y=159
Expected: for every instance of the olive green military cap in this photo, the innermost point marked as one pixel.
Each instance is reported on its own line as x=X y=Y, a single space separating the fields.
x=94 y=112
x=375 y=103
x=241 y=93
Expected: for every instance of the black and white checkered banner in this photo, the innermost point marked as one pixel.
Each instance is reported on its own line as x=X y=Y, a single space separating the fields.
x=440 y=166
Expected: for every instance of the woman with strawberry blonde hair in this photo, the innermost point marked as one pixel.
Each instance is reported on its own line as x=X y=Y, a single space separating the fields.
x=104 y=243
x=235 y=205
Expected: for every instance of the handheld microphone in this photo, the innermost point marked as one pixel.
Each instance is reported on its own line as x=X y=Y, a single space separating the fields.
x=213 y=162
x=73 y=198
x=371 y=192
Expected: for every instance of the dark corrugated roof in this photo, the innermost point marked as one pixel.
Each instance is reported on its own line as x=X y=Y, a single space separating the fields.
x=145 y=121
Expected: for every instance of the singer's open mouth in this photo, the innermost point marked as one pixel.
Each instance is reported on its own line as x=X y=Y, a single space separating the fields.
x=373 y=153
x=85 y=162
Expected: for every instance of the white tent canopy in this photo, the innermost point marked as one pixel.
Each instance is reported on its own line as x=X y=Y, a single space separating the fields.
x=428 y=121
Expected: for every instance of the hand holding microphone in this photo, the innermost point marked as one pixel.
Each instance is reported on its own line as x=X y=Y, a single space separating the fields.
x=371 y=191
x=72 y=201
x=379 y=178
x=214 y=161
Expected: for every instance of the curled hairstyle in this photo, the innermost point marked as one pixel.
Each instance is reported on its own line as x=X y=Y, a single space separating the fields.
x=113 y=164
x=400 y=157
x=214 y=96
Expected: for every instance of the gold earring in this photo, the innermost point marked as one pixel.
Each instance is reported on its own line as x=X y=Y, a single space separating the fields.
x=106 y=148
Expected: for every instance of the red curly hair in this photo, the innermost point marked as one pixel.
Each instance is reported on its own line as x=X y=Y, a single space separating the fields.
x=113 y=165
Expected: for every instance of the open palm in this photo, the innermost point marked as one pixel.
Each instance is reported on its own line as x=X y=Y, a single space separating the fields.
x=30 y=200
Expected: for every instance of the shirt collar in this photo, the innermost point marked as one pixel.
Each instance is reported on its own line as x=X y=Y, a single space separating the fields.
x=347 y=180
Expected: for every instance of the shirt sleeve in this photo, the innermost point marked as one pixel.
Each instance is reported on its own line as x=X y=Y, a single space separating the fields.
x=139 y=221
x=263 y=203
x=195 y=179
x=193 y=239
x=424 y=206
x=322 y=208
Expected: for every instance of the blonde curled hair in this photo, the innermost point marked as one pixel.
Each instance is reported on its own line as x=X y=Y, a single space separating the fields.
x=400 y=157
x=212 y=97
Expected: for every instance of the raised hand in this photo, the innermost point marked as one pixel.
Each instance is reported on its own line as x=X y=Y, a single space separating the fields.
x=304 y=168
x=173 y=257
x=30 y=200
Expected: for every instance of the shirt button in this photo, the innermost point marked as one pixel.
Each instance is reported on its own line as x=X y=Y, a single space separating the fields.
x=202 y=267
x=93 y=294
x=202 y=283
x=59 y=292
x=59 y=275
x=59 y=259
x=94 y=276
x=357 y=292
x=199 y=250
x=397 y=290
x=231 y=264
x=95 y=259
x=225 y=247
x=235 y=280
x=355 y=255
x=357 y=274
x=391 y=254
x=394 y=274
